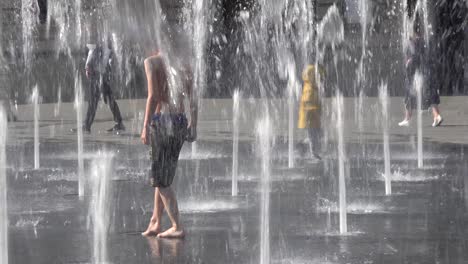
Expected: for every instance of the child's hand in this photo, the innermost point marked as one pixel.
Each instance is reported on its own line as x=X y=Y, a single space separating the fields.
x=191 y=133
x=144 y=136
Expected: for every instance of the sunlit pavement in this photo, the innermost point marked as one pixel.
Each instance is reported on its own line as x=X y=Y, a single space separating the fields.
x=423 y=221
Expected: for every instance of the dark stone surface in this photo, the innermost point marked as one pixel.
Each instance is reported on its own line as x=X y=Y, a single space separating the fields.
x=424 y=221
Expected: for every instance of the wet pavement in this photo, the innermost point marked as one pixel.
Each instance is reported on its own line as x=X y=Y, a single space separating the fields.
x=425 y=220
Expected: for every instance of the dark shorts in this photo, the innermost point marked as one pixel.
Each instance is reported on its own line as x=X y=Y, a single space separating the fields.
x=410 y=102
x=430 y=92
x=429 y=99
x=167 y=135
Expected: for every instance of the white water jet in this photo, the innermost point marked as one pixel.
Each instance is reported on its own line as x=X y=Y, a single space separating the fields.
x=383 y=96
x=202 y=18
x=361 y=113
x=30 y=21
x=67 y=18
x=406 y=30
x=291 y=110
x=3 y=189
x=99 y=212
x=235 y=142
x=264 y=131
x=361 y=74
x=361 y=71
x=418 y=86
x=331 y=28
x=330 y=33
x=423 y=7
x=58 y=105
x=79 y=124
x=35 y=101
x=339 y=106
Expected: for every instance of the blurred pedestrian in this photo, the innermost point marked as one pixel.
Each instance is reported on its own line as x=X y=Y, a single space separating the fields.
x=310 y=110
x=419 y=61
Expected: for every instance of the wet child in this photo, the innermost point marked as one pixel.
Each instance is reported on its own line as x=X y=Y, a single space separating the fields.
x=310 y=110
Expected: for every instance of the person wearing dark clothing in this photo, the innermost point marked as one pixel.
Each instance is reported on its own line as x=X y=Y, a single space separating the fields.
x=418 y=62
x=99 y=73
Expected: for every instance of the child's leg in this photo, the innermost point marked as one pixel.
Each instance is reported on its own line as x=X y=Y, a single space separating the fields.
x=435 y=111
x=408 y=113
x=314 y=138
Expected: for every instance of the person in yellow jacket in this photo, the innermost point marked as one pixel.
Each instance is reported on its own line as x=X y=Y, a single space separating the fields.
x=310 y=110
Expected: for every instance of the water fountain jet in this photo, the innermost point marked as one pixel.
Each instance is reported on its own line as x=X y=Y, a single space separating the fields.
x=35 y=100
x=383 y=96
x=235 y=142
x=79 y=124
x=265 y=138
x=418 y=86
x=291 y=110
x=3 y=189
x=101 y=194
x=202 y=20
x=339 y=106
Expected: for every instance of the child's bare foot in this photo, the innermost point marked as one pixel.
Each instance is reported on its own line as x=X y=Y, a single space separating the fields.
x=153 y=229
x=172 y=232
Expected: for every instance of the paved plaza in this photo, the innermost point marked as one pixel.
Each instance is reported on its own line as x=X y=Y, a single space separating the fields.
x=423 y=221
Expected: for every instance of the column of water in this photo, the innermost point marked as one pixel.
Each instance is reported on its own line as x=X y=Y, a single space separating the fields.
x=425 y=10
x=101 y=194
x=405 y=32
x=339 y=105
x=418 y=85
x=330 y=32
x=361 y=76
x=201 y=16
x=3 y=189
x=383 y=96
x=35 y=100
x=30 y=21
x=235 y=141
x=59 y=102
x=291 y=110
x=79 y=125
x=264 y=137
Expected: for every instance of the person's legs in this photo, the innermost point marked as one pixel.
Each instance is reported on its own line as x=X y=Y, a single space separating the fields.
x=435 y=111
x=165 y=151
x=170 y=204
x=410 y=104
x=113 y=106
x=408 y=114
x=154 y=226
x=436 y=115
x=93 y=100
x=314 y=138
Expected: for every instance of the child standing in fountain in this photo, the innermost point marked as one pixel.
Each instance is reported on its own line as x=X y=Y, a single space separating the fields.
x=165 y=129
x=310 y=110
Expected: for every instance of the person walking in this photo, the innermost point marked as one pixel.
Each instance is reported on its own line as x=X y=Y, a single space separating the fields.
x=98 y=71
x=310 y=110
x=165 y=129
x=418 y=61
